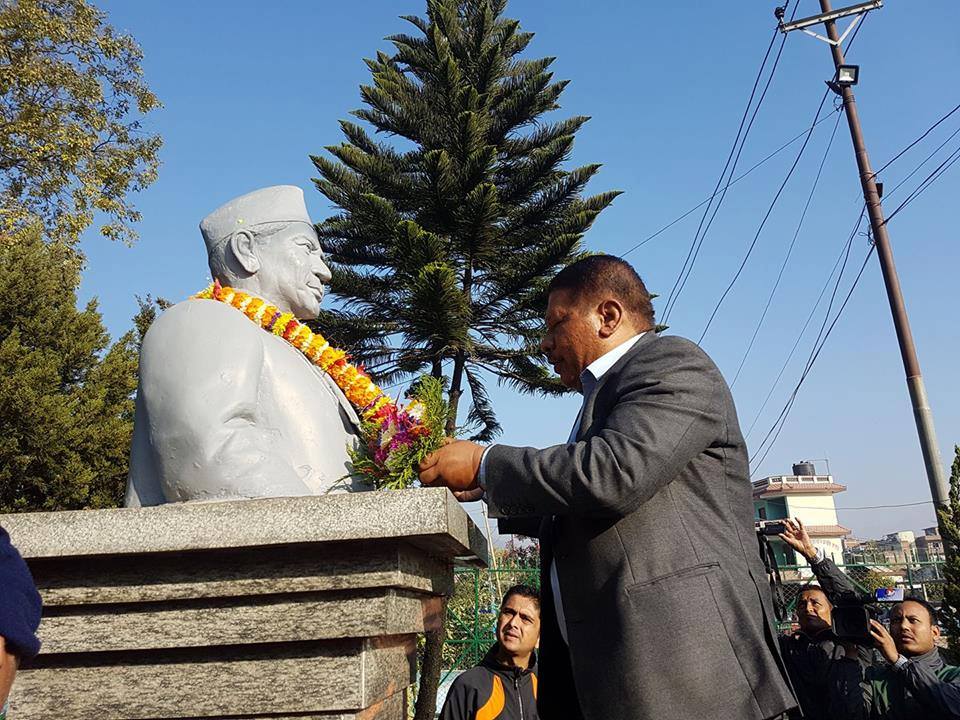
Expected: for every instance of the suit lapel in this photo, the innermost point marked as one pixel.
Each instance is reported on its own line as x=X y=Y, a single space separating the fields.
x=586 y=418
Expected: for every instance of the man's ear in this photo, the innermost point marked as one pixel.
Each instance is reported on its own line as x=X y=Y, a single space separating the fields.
x=936 y=631
x=243 y=246
x=611 y=316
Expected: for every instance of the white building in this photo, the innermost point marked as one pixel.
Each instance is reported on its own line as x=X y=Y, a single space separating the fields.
x=809 y=497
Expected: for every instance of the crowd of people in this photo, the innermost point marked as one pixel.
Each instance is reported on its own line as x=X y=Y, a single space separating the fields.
x=901 y=676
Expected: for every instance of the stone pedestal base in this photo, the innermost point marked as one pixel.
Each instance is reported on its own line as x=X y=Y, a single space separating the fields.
x=282 y=608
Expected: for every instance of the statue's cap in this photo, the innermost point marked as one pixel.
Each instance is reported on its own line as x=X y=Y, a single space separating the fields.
x=281 y=203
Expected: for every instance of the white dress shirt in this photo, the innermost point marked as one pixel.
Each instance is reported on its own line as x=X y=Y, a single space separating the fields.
x=589 y=379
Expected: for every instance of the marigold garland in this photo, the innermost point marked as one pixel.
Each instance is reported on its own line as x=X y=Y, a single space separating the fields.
x=396 y=438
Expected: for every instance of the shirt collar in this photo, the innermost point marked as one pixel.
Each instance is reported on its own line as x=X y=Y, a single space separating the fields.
x=599 y=367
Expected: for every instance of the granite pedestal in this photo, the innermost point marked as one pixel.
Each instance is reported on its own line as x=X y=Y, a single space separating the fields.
x=304 y=607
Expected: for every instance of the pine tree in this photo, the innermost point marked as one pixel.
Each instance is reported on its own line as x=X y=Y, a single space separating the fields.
x=66 y=413
x=444 y=242
x=949 y=521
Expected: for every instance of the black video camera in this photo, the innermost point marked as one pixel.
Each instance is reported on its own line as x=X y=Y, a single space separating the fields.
x=770 y=527
x=852 y=613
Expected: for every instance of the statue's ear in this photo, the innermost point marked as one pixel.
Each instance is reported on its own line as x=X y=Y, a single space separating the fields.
x=243 y=247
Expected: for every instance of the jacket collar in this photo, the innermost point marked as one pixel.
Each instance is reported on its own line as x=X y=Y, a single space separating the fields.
x=931 y=660
x=490 y=661
x=586 y=418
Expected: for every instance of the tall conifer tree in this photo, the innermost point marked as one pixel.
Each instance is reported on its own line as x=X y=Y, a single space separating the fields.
x=66 y=408
x=446 y=239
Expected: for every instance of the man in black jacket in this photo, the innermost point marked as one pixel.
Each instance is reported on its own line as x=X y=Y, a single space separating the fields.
x=911 y=683
x=812 y=654
x=504 y=685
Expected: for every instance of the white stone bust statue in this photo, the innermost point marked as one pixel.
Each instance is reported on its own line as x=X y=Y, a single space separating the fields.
x=224 y=409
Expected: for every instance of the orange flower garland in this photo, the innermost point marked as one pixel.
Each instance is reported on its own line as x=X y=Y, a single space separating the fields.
x=360 y=390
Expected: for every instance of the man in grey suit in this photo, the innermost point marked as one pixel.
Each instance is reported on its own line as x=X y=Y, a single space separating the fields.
x=655 y=601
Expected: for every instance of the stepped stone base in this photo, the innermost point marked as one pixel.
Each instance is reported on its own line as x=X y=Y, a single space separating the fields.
x=282 y=608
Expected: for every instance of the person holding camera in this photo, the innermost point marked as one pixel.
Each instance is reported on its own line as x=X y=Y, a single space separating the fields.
x=913 y=682
x=812 y=654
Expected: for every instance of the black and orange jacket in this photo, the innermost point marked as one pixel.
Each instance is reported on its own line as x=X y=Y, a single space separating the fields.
x=491 y=691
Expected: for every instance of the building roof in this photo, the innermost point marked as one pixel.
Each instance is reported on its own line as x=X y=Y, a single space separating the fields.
x=827 y=530
x=765 y=489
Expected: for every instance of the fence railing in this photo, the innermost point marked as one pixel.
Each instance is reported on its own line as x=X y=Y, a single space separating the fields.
x=474 y=606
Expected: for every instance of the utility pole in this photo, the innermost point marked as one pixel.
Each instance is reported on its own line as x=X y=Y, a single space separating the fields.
x=908 y=352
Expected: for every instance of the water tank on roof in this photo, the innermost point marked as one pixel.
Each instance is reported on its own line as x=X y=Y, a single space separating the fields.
x=804 y=468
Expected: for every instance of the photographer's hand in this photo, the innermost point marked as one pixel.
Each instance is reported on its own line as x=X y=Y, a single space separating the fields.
x=884 y=642
x=796 y=537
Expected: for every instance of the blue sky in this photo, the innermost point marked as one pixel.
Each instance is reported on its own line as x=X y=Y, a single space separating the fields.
x=251 y=89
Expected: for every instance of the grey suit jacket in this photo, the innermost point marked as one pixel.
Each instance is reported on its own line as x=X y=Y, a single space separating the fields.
x=667 y=607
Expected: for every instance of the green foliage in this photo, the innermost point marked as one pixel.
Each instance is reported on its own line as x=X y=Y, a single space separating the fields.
x=66 y=413
x=71 y=99
x=400 y=469
x=444 y=242
x=949 y=521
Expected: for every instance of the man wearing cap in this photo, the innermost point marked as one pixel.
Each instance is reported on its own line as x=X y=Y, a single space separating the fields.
x=19 y=616
x=225 y=409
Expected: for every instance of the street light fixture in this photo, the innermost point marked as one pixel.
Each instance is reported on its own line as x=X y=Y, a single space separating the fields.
x=848 y=75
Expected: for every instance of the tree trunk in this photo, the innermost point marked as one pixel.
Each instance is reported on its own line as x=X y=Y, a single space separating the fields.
x=426 y=708
x=433 y=650
x=456 y=390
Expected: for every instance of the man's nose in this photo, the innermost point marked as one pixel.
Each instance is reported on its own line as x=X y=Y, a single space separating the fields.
x=545 y=344
x=321 y=270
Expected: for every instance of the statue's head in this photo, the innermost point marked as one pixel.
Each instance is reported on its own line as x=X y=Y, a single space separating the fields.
x=264 y=242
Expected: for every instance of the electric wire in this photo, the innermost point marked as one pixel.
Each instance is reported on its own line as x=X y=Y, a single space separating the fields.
x=903 y=181
x=780 y=190
x=739 y=140
x=927 y=182
x=929 y=130
x=702 y=230
x=763 y=222
x=785 y=413
x=842 y=257
x=786 y=259
x=733 y=182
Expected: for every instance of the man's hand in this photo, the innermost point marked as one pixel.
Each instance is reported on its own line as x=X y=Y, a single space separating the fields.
x=456 y=465
x=883 y=642
x=797 y=538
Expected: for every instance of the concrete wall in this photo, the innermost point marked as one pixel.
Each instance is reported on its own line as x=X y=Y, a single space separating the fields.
x=291 y=607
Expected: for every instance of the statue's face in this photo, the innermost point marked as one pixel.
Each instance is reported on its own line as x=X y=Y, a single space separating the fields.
x=292 y=270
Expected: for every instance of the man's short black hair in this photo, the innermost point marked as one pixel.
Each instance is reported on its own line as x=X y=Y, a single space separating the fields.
x=931 y=610
x=606 y=274
x=810 y=586
x=527 y=591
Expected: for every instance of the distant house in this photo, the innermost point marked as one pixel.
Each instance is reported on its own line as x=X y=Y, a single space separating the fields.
x=809 y=497
x=930 y=545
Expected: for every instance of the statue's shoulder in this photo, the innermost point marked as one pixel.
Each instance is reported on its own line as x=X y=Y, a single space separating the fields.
x=201 y=325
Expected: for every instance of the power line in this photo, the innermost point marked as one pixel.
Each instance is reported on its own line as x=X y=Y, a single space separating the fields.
x=766 y=217
x=912 y=144
x=729 y=184
x=927 y=182
x=922 y=163
x=786 y=259
x=865 y=507
x=740 y=140
x=782 y=419
x=780 y=190
x=844 y=255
